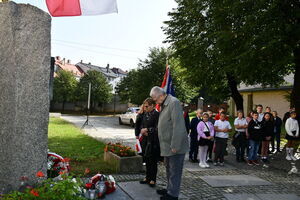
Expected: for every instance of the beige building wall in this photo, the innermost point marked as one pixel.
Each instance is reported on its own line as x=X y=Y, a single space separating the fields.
x=274 y=99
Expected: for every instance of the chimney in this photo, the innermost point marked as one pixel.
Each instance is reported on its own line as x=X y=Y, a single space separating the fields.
x=68 y=61
x=81 y=61
x=57 y=58
x=89 y=63
x=64 y=61
x=107 y=68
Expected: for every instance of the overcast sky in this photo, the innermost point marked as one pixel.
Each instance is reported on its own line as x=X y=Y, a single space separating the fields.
x=118 y=39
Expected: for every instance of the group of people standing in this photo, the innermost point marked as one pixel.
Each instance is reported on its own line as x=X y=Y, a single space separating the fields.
x=209 y=134
x=252 y=137
x=163 y=137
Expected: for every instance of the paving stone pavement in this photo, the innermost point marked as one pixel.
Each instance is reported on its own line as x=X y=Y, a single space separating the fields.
x=193 y=186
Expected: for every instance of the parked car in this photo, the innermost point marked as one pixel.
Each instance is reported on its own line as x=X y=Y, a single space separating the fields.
x=129 y=117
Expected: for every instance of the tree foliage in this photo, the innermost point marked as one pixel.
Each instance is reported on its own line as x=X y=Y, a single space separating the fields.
x=223 y=43
x=136 y=86
x=101 y=90
x=64 y=87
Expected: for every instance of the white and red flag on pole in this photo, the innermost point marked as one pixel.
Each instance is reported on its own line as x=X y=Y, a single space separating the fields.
x=62 y=8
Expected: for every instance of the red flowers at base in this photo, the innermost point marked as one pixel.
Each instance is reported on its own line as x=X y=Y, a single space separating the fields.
x=88 y=185
x=40 y=174
x=87 y=171
x=34 y=192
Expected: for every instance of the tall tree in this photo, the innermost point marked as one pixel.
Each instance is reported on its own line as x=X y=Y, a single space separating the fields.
x=101 y=90
x=271 y=39
x=136 y=86
x=214 y=40
x=64 y=87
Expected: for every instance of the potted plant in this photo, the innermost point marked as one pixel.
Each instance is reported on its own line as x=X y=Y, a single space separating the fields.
x=123 y=157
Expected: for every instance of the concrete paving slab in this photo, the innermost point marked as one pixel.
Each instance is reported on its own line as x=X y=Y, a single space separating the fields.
x=241 y=197
x=278 y=196
x=138 y=191
x=233 y=180
x=194 y=167
x=119 y=194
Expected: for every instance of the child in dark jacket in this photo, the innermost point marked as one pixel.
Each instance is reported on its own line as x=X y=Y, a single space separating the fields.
x=255 y=136
x=267 y=134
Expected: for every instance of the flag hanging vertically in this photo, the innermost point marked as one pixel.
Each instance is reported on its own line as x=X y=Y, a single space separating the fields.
x=167 y=84
x=60 y=8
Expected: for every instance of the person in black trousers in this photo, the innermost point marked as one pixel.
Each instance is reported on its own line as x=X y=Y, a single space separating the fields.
x=193 y=154
x=138 y=128
x=277 y=132
x=186 y=117
x=211 y=144
x=267 y=127
x=152 y=149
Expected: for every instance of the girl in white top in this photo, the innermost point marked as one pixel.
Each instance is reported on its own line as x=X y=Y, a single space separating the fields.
x=292 y=134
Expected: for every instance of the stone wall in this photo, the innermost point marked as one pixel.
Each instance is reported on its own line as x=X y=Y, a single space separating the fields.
x=24 y=92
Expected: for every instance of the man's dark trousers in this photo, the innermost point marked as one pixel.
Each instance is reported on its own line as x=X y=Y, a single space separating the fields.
x=193 y=155
x=174 y=167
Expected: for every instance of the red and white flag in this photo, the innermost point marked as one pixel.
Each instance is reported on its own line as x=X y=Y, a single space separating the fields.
x=138 y=147
x=60 y=8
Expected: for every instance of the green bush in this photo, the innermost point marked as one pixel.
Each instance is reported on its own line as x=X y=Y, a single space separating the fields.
x=66 y=189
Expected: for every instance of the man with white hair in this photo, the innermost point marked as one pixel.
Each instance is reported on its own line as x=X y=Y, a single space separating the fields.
x=173 y=140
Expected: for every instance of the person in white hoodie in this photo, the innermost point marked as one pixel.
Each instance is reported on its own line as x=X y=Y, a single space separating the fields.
x=292 y=134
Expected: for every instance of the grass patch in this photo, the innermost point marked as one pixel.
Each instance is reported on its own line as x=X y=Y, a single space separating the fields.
x=85 y=152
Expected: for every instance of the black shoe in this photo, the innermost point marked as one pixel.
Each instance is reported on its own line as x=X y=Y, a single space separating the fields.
x=238 y=160
x=145 y=181
x=191 y=160
x=168 y=197
x=162 y=192
x=152 y=184
x=243 y=160
x=196 y=161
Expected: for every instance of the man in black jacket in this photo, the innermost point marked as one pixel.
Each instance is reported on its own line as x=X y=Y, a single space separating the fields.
x=277 y=131
x=194 y=136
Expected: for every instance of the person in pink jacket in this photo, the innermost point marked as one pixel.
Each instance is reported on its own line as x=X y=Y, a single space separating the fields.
x=206 y=134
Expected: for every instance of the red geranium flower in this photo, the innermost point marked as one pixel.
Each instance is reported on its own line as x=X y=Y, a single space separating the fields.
x=88 y=185
x=34 y=192
x=87 y=171
x=40 y=174
x=62 y=172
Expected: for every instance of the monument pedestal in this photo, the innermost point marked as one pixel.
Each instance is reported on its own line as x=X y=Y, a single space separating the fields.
x=24 y=93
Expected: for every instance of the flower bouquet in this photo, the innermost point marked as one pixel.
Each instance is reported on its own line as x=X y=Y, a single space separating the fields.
x=57 y=165
x=98 y=186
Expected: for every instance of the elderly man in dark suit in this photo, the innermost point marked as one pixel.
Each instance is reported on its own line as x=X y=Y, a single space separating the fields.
x=173 y=140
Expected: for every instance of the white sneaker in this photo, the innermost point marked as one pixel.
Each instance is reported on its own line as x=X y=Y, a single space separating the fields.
x=288 y=157
x=202 y=165
x=293 y=158
x=206 y=165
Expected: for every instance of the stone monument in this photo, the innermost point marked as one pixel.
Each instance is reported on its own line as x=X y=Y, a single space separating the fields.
x=200 y=103
x=24 y=93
